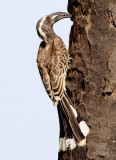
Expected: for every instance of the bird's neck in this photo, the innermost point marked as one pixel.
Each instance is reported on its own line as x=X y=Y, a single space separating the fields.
x=49 y=35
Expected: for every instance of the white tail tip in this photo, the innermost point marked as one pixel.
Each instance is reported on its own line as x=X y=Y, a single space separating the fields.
x=82 y=143
x=66 y=143
x=84 y=128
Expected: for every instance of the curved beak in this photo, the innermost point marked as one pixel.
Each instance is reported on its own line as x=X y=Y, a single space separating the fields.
x=58 y=16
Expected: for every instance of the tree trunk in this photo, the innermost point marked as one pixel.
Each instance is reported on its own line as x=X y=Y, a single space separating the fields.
x=91 y=82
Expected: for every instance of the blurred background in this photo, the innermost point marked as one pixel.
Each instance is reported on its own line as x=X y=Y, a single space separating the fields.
x=29 y=125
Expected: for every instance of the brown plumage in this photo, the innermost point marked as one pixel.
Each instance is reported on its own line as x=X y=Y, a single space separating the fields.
x=52 y=62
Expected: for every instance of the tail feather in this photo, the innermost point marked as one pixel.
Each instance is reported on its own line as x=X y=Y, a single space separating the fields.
x=72 y=120
x=64 y=131
x=73 y=130
x=66 y=134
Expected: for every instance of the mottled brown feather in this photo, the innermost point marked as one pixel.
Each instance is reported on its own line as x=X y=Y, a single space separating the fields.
x=52 y=63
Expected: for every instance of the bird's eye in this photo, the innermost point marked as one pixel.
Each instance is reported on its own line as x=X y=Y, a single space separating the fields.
x=47 y=18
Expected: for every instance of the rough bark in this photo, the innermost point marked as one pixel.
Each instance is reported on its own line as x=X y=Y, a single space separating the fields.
x=91 y=82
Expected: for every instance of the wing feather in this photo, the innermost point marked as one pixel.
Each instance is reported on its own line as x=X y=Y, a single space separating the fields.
x=53 y=68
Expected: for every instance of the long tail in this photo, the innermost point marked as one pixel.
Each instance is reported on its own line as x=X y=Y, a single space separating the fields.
x=73 y=130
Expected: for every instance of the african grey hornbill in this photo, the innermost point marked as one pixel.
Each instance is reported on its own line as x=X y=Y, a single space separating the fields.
x=52 y=61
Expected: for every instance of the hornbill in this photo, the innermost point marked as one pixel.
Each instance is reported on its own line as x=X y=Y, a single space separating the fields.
x=52 y=62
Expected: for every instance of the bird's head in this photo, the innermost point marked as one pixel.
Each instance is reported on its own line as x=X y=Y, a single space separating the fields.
x=45 y=25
